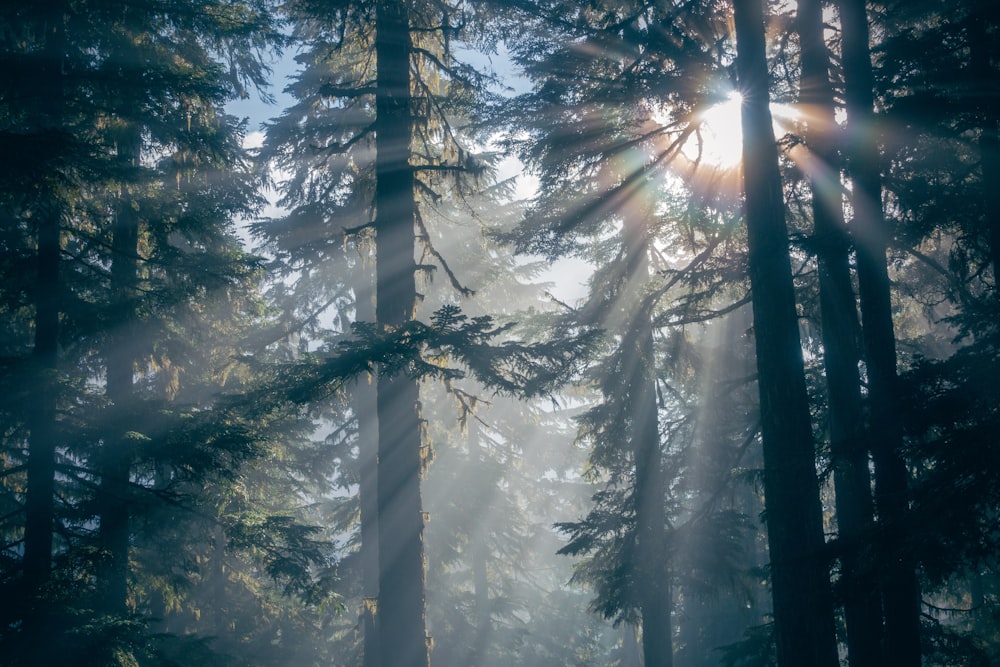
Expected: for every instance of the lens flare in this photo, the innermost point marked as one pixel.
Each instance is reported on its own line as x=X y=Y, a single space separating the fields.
x=718 y=141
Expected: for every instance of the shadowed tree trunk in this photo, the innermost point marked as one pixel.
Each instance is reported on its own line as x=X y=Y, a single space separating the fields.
x=39 y=506
x=366 y=410
x=841 y=352
x=900 y=588
x=803 y=604
x=116 y=456
x=480 y=553
x=41 y=418
x=400 y=517
x=983 y=27
x=651 y=577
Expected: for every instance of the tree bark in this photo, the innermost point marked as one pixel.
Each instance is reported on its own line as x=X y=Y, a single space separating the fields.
x=366 y=411
x=803 y=605
x=651 y=577
x=848 y=447
x=982 y=25
x=400 y=516
x=40 y=503
x=480 y=553
x=117 y=455
x=41 y=419
x=900 y=588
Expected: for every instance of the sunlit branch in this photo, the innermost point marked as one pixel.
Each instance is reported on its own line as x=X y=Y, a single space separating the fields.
x=429 y=247
x=706 y=315
x=679 y=274
x=964 y=295
x=354 y=231
x=350 y=92
x=613 y=197
x=724 y=484
x=452 y=72
x=339 y=148
x=565 y=305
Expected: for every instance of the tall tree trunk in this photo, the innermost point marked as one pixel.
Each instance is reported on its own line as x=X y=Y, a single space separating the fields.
x=41 y=419
x=630 y=655
x=481 y=591
x=400 y=517
x=366 y=411
x=982 y=28
x=803 y=603
x=479 y=556
x=40 y=503
x=900 y=588
x=848 y=447
x=653 y=587
x=117 y=455
x=217 y=577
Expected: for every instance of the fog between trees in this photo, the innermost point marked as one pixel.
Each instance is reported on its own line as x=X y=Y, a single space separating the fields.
x=365 y=427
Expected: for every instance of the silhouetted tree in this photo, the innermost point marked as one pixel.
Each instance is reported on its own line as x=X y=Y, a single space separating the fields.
x=841 y=353
x=803 y=603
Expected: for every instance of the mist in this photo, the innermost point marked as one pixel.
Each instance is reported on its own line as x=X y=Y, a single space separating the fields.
x=479 y=334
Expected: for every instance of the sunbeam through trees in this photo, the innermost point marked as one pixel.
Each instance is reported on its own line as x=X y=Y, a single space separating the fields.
x=646 y=333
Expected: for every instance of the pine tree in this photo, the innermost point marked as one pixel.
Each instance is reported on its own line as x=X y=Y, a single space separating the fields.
x=803 y=605
x=602 y=143
x=840 y=326
x=900 y=588
x=144 y=163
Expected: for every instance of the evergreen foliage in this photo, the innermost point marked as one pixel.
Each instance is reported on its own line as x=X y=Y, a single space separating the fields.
x=208 y=415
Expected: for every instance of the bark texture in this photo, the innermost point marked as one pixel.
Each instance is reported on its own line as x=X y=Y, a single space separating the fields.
x=400 y=517
x=803 y=602
x=644 y=439
x=117 y=454
x=42 y=413
x=982 y=31
x=899 y=584
x=366 y=411
x=848 y=447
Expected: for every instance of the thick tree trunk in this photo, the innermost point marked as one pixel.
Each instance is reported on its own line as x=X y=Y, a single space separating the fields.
x=803 y=604
x=117 y=455
x=400 y=516
x=848 y=447
x=900 y=588
x=653 y=587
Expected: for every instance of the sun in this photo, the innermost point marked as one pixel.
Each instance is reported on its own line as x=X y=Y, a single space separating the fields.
x=717 y=144
x=718 y=141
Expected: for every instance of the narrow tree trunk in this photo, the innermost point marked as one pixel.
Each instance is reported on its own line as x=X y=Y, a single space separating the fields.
x=631 y=656
x=803 y=605
x=848 y=447
x=117 y=455
x=40 y=503
x=651 y=577
x=217 y=569
x=366 y=411
x=400 y=516
x=900 y=588
x=41 y=419
x=480 y=552
x=981 y=26
x=481 y=590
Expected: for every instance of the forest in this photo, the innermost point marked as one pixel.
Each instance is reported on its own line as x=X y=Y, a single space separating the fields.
x=543 y=333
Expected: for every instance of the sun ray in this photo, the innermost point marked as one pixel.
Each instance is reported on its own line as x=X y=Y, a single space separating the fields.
x=717 y=142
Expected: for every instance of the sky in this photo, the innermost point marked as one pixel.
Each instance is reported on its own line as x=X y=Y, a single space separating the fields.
x=567 y=277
